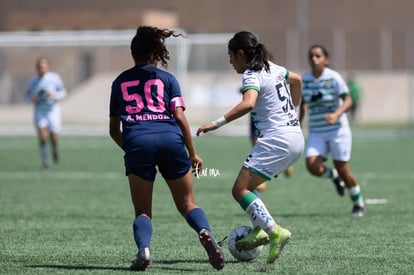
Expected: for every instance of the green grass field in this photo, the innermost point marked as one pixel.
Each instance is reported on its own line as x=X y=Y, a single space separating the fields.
x=77 y=217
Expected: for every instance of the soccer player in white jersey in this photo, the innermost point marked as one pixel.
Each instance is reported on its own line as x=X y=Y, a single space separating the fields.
x=270 y=93
x=326 y=100
x=44 y=91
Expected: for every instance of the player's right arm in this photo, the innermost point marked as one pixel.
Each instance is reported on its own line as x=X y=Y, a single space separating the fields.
x=182 y=121
x=242 y=108
x=29 y=94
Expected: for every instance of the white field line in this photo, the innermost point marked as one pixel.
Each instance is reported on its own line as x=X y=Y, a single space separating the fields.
x=384 y=176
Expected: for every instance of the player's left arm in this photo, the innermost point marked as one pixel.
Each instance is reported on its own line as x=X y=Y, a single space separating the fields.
x=295 y=82
x=245 y=106
x=115 y=130
x=59 y=91
x=343 y=93
x=343 y=108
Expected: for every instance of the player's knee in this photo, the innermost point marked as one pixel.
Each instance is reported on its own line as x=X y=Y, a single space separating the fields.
x=185 y=207
x=315 y=170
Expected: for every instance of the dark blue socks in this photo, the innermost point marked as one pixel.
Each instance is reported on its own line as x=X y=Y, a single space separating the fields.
x=142 y=232
x=197 y=220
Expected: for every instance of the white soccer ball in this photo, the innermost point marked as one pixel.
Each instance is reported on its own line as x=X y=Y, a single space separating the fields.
x=242 y=255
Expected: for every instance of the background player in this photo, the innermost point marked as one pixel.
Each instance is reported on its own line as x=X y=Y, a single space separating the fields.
x=355 y=93
x=147 y=102
x=326 y=99
x=280 y=141
x=45 y=90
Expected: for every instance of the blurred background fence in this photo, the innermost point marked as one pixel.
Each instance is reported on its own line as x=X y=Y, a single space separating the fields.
x=199 y=61
x=88 y=54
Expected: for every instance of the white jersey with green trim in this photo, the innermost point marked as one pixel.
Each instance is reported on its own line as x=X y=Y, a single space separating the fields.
x=274 y=111
x=49 y=88
x=324 y=95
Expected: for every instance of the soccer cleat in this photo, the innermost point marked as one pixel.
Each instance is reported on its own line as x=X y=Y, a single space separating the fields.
x=256 y=238
x=358 y=211
x=288 y=172
x=277 y=241
x=339 y=185
x=214 y=252
x=45 y=164
x=142 y=260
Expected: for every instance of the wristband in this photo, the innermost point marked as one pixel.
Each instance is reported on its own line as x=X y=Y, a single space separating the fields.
x=219 y=122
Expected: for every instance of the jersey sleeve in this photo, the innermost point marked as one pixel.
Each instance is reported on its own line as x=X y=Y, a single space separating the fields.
x=113 y=102
x=59 y=91
x=176 y=99
x=250 y=81
x=342 y=87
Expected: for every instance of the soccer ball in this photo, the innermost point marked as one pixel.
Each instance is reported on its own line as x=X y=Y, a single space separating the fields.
x=242 y=255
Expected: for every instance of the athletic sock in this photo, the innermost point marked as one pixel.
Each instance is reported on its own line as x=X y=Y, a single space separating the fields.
x=142 y=231
x=55 y=151
x=258 y=213
x=356 y=196
x=197 y=219
x=44 y=154
x=329 y=173
x=257 y=193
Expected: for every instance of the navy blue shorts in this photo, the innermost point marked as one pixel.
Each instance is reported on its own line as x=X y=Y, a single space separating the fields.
x=165 y=150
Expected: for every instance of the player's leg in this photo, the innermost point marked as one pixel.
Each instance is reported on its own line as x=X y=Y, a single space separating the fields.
x=55 y=125
x=254 y=135
x=341 y=146
x=353 y=188
x=43 y=133
x=242 y=191
x=265 y=227
x=183 y=195
x=141 y=173
x=54 y=138
x=141 y=194
x=41 y=124
x=316 y=155
x=268 y=158
x=175 y=167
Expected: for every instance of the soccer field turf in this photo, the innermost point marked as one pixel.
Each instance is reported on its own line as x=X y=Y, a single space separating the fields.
x=77 y=217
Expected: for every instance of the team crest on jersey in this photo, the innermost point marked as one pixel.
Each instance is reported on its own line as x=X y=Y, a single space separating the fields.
x=328 y=83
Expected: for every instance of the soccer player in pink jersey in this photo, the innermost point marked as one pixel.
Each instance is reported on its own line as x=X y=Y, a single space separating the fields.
x=147 y=102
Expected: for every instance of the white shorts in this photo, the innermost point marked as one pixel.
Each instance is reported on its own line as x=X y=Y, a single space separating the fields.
x=272 y=155
x=50 y=120
x=338 y=143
